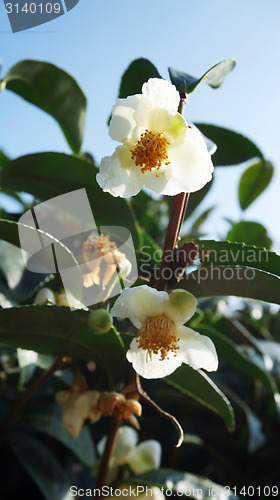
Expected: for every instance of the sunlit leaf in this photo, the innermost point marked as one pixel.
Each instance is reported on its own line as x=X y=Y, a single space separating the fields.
x=215 y=281
x=185 y=84
x=253 y=182
x=232 y=148
x=229 y=254
x=54 y=91
x=137 y=73
x=46 y=175
x=251 y=233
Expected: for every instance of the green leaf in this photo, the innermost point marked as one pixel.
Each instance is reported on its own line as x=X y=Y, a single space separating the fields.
x=185 y=84
x=229 y=254
x=9 y=231
x=40 y=464
x=202 y=218
x=215 y=281
x=58 y=331
x=232 y=148
x=46 y=175
x=137 y=73
x=251 y=233
x=200 y=387
x=253 y=182
x=3 y=159
x=231 y=353
x=50 y=423
x=189 y=485
x=196 y=198
x=54 y=91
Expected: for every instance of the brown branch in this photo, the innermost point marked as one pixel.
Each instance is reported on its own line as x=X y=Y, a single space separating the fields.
x=28 y=393
x=109 y=448
x=176 y=219
x=162 y=413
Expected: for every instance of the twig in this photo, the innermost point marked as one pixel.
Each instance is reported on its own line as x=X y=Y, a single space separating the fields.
x=28 y=393
x=109 y=448
x=176 y=219
x=163 y=413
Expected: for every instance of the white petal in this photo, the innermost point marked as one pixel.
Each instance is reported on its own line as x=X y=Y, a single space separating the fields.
x=151 y=367
x=196 y=350
x=127 y=440
x=122 y=122
x=146 y=456
x=140 y=303
x=118 y=174
x=190 y=165
x=211 y=146
x=162 y=94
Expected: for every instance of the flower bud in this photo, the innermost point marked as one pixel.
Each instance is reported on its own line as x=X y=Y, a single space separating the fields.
x=44 y=296
x=182 y=305
x=100 y=321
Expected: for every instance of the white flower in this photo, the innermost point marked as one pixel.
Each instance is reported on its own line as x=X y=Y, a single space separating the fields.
x=141 y=458
x=159 y=149
x=163 y=343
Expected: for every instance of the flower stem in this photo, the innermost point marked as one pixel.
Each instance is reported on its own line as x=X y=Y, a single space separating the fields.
x=109 y=448
x=28 y=393
x=176 y=218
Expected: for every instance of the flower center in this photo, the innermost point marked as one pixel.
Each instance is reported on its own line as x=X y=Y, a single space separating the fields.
x=158 y=335
x=100 y=244
x=150 y=151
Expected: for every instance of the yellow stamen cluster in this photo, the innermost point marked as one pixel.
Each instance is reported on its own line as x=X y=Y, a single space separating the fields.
x=100 y=244
x=158 y=335
x=150 y=151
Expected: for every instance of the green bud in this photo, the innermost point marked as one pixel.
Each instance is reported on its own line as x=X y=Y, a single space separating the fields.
x=100 y=321
x=182 y=305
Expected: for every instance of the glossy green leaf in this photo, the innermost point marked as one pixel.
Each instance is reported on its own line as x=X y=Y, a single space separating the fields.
x=216 y=281
x=50 y=423
x=9 y=231
x=232 y=148
x=54 y=91
x=137 y=73
x=253 y=182
x=40 y=464
x=200 y=387
x=185 y=84
x=58 y=331
x=251 y=233
x=238 y=254
x=231 y=353
x=46 y=175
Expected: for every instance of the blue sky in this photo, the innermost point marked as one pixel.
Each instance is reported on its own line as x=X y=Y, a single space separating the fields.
x=96 y=41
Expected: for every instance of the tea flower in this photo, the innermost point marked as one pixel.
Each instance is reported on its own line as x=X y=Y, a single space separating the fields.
x=159 y=149
x=102 y=257
x=141 y=458
x=79 y=404
x=163 y=343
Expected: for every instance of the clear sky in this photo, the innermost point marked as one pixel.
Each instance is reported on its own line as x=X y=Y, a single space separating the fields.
x=96 y=41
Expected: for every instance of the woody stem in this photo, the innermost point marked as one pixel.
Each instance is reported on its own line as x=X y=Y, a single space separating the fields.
x=176 y=218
